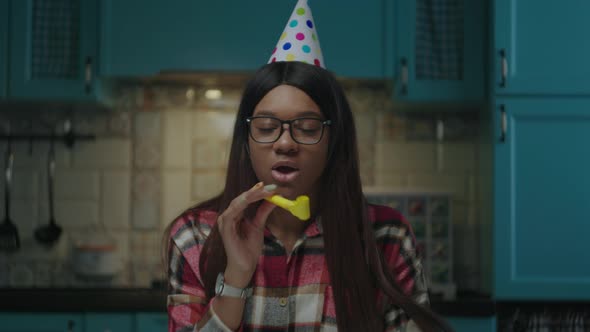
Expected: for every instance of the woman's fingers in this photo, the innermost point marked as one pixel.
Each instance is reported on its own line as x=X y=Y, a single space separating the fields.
x=262 y=214
x=235 y=210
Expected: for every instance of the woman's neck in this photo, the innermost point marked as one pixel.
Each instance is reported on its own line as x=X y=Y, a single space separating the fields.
x=285 y=227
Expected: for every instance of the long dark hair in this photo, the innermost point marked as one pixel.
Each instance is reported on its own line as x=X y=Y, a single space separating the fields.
x=354 y=262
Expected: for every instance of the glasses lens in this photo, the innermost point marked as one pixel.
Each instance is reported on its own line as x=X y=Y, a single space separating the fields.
x=265 y=130
x=307 y=131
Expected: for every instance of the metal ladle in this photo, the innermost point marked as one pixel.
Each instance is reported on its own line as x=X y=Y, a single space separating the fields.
x=50 y=233
x=9 y=240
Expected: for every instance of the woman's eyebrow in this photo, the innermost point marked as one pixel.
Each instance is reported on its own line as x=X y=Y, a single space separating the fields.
x=298 y=114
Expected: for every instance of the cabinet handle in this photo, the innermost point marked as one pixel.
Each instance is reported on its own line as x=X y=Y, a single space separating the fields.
x=404 y=88
x=504 y=68
x=503 y=123
x=88 y=75
x=71 y=325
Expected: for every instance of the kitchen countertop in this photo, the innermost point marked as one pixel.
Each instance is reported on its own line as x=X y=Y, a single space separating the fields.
x=144 y=299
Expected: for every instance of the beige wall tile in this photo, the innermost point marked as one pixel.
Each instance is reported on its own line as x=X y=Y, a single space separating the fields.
x=207 y=184
x=103 y=153
x=176 y=194
x=76 y=213
x=456 y=184
x=116 y=193
x=405 y=156
x=176 y=142
x=210 y=154
x=213 y=125
x=76 y=184
x=390 y=179
x=458 y=157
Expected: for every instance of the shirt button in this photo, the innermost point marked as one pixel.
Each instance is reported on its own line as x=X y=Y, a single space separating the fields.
x=283 y=301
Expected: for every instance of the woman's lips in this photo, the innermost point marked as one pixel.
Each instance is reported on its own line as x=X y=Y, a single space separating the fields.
x=284 y=177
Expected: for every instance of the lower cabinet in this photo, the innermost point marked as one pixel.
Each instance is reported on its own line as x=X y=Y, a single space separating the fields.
x=472 y=324
x=41 y=322
x=83 y=322
x=151 y=322
x=108 y=322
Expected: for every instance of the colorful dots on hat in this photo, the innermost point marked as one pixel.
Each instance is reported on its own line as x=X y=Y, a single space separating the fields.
x=299 y=40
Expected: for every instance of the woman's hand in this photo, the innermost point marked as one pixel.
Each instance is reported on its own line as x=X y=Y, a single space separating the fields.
x=243 y=239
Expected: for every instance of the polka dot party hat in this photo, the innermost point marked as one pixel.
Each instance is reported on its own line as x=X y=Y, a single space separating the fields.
x=299 y=41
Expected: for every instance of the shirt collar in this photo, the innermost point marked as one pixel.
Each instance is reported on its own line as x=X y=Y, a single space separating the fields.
x=313 y=229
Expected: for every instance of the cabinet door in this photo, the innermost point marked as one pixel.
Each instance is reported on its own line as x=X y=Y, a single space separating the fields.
x=151 y=322
x=541 y=46
x=471 y=324
x=101 y=322
x=140 y=38
x=4 y=6
x=542 y=195
x=53 y=49
x=40 y=322
x=440 y=53
x=351 y=35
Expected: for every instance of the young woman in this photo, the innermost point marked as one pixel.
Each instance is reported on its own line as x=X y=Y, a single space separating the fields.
x=237 y=262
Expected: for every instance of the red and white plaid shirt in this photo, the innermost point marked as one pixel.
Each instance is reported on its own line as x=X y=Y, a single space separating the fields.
x=290 y=292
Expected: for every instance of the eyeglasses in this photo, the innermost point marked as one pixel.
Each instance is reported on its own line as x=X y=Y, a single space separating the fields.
x=268 y=129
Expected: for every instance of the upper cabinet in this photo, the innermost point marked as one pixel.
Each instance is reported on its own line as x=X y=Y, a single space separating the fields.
x=541 y=47
x=3 y=46
x=140 y=38
x=440 y=50
x=53 y=49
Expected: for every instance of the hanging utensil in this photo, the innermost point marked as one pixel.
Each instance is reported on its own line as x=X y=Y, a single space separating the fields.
x=9 y=240
x=50 y=233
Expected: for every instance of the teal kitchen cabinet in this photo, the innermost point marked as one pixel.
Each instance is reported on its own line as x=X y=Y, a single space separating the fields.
x=4 y=6
x=144 y=38
x=541 y=195
x=439 y=53
x=53 y=49
x=108 y=322
x=473 y=324
x=41 y=322
x=151 y=322
x=541 y=47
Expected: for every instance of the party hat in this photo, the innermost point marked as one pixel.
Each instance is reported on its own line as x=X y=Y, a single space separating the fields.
x=299 y=41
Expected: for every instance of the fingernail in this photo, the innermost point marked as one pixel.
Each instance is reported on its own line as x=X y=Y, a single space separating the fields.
x=270 y=187
x=258 y=185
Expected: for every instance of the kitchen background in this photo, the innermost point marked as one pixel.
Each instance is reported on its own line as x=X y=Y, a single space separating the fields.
x=163 y=147
x=478 y=103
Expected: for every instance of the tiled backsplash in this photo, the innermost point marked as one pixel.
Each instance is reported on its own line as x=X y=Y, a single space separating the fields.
x=164 y=147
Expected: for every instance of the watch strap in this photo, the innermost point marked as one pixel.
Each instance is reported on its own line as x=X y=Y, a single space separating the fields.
x=223 y=289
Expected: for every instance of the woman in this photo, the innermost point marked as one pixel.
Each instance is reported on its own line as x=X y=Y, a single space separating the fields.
x=351 y=267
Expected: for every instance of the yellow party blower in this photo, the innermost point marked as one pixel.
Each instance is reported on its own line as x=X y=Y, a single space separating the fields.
x=299 y=207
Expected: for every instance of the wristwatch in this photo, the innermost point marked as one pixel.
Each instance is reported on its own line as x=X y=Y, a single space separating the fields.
x=223 y=289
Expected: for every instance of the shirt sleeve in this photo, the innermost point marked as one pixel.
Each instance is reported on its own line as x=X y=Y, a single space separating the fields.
x=188 y=308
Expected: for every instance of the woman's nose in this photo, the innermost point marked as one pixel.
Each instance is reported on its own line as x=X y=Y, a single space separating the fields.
x=285 y=143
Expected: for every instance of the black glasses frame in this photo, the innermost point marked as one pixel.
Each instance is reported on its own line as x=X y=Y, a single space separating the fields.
x=325 y=123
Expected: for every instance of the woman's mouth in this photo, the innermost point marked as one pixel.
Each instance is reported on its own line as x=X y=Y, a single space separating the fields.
x=284 y=173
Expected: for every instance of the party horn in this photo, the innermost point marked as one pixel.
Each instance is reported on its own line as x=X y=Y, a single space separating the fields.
x=299 y=207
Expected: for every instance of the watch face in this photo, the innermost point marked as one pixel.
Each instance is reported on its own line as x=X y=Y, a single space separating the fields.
x=219 y=284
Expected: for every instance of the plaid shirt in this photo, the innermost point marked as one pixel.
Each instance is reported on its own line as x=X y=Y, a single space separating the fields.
x=290 y=292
